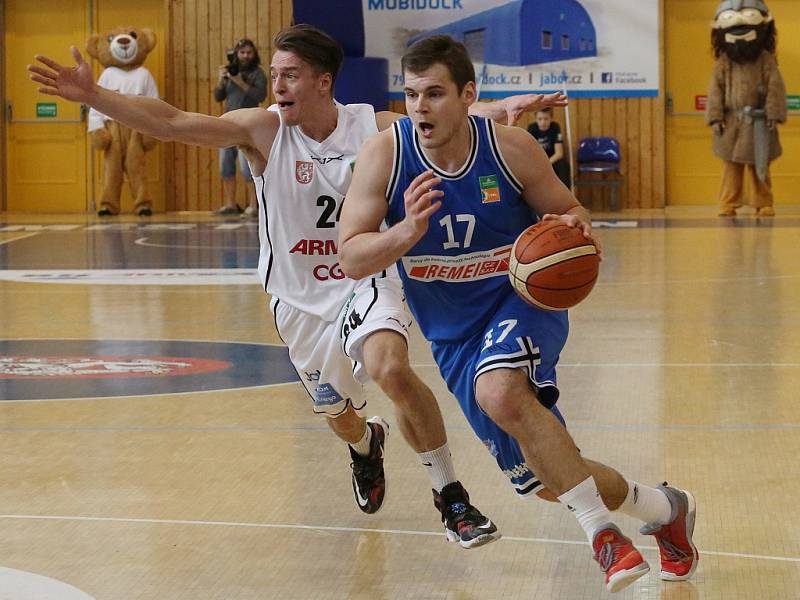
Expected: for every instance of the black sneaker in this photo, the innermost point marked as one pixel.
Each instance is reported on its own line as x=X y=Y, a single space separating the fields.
x=369 y=480
x=145 y=212
x=463 y=523
x=104 y=212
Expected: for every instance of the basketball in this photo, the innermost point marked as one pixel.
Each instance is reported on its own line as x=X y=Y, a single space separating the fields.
x=552 y=266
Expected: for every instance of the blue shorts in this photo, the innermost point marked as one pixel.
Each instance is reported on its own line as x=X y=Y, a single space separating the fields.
x=227 y=163
x=517 y=336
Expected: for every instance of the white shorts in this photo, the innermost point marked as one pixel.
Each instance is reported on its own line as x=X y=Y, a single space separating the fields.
x=328 y=355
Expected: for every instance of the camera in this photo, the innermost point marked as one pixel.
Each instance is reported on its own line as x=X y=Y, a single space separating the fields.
x=233 y=63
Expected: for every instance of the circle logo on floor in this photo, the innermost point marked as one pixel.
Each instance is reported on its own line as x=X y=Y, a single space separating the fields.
x=57 y=369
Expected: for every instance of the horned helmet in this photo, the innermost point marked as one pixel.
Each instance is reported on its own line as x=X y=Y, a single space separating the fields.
x=742 y=29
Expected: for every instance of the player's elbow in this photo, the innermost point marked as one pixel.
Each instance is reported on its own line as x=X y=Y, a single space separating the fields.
x=350 y=267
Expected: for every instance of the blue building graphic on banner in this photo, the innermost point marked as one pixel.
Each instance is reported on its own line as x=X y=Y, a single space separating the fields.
x=524 y=32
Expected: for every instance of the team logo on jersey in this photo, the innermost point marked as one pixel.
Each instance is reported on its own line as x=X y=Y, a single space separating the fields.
x=490 y=189
x=324 y=160
x=303 y=171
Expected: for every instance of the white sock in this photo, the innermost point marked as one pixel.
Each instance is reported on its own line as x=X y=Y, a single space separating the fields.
x=646 y=503
x=439 y=464
x=362 y=446
x=585 y=502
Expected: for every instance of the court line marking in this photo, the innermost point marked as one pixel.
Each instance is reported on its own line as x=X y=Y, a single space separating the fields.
x=21 y=237
x=298 y=428
x=651 y=365
x=703 y=280
x=789 y=559
x=143 y=242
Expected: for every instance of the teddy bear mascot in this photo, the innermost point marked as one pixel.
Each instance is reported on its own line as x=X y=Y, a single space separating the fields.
x=746 y=101
x=122 y=52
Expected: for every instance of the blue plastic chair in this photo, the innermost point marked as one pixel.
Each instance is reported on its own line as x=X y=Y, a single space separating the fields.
x=600 y=156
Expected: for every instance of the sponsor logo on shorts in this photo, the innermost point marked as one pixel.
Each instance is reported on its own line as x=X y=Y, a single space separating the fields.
x=517 y=471
x=325 y=395
x=491 y=447
x=303 y=171
x=466 y=267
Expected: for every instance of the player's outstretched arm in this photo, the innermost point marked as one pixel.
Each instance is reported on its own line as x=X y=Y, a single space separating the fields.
x=150 y=116
x=363 y=248
x=511 y=108
x=506 y=111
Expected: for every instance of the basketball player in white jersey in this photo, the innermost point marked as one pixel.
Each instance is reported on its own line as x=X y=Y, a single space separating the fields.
x=301 y=154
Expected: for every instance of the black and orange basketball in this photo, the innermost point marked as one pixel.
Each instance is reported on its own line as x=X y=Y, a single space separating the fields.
x=553 y=266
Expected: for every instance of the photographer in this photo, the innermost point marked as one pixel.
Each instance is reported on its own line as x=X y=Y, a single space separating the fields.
x=242 y=84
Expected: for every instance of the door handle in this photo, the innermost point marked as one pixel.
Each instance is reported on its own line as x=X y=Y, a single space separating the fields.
x=9 y=111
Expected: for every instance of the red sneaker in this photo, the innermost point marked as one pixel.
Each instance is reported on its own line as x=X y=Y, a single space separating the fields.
x=679 y=556
x=618 y=558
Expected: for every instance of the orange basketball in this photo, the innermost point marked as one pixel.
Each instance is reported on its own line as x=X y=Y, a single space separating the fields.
x=553 y=266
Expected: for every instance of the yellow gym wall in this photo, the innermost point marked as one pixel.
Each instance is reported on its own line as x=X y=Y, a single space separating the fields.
x=200 y=32
x=680 y=171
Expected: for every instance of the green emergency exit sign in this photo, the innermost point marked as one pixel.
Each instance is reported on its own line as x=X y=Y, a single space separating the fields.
x=46 y=109
x=793 y=102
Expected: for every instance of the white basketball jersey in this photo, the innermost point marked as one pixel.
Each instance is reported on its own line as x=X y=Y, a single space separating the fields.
x=303 y=188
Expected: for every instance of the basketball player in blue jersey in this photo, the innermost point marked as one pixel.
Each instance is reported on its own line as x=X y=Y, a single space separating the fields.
x=317 y=311
x=455 y=191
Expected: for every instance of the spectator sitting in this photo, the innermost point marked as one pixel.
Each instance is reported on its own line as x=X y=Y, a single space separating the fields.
x=548 y=134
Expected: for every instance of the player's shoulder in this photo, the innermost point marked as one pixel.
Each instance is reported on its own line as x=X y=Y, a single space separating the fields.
x=513 y=139
x=378 y=146
x=249 y=117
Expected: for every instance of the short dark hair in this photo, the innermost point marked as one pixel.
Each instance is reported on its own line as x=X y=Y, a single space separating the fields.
x=244 y=43
x=443 y=49
x=315 y=47
x=548 y=110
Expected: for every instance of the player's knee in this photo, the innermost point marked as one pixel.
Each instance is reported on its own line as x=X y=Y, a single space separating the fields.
x=385 y=357
x=389 y=372
x=501 y=401
x=546 y=494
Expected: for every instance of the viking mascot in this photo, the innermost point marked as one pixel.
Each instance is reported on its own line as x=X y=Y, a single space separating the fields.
x=746 y=101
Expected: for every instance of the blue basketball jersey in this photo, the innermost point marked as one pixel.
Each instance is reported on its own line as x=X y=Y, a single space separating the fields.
x=457 y=273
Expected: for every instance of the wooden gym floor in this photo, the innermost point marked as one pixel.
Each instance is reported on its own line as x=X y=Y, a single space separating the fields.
x=137 y=462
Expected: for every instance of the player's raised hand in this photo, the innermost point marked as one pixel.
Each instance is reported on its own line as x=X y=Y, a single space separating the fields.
x=576 y=221
x=522 y=103
x=421 y=201
x=71 y=83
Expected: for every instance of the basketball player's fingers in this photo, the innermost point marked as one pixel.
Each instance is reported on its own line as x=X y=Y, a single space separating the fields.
x=421 y=203
x=45 y=80
x=42 y=71
x=76 y=54
x=49 y=62
x=431 y=210
x=48 y=91
x=420 y=179
x=424 y=187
